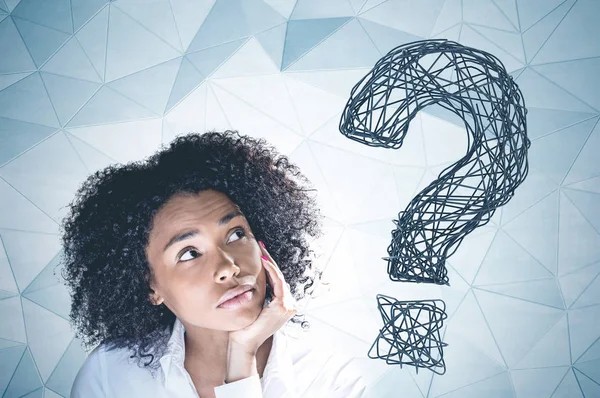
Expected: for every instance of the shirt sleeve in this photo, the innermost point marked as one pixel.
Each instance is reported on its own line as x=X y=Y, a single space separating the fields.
x=349 y=383
x=249 y=387
x=89 y=381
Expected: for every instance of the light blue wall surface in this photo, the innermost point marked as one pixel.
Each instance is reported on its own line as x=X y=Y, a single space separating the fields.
x=87 y=83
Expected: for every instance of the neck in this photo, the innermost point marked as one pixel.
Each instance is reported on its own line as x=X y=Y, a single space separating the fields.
x=206 y=355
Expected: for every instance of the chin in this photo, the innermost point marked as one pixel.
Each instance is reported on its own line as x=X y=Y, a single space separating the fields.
x=242 y=321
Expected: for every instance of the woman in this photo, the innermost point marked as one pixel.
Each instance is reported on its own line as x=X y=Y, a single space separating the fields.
x=170 y=277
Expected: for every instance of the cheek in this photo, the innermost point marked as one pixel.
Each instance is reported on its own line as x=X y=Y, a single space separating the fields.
x=190 y=295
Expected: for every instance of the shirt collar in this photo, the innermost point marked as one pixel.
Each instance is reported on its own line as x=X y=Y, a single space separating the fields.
x=175 y=352
x=278 y=366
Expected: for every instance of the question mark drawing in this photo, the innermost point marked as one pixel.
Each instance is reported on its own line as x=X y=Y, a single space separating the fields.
x=475 y=86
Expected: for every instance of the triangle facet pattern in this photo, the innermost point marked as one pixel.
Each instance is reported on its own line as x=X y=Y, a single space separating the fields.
x=544 y=121
x=257 y=123
x=400 y=15
x=507 y=316
x=578 y=23
x=189 y=17
x=340 y=49
x=65 y=371
x=537 y=382
x=28 y=93
x=40 y=40
x=568 y=387
x=72 y=61
x=462 y=353
x=586 y=165
x=93 y=39
x=539 y=235
x=469 y=323
x=16 y=137
x=578 y=241
x=15 y=55
x=153 y=86
x=575 y=283
x=83 y=10
x=12 y=329
x=67 y=93
x=85 y=84
x=156 y=17
x=303 y=35
x=576 y=77
x=48 y=175
x=543 y=291
x=315 y=9
x=590 y=185
x=544 y=152
x=109 y=106
x=26 y=378
x=47 y=291
x=48 y=336
x=92 y=158
x=137 y=139
x=531 y=12
x=589 y=387
x=8 y=285
x=592 y=353
x=534 y=37
x=56 y=15
x=273 y=42
x=551 y=350
x=258 y=91
x=244 y=18
x=26 y=265
x=123 y=55
x=207 y=61
x=18 y=213
x=584 y=329
x=508 y=262
x=10 y=359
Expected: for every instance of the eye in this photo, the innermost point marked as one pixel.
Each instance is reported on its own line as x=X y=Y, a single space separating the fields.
x=187 y=250
x=241 y=231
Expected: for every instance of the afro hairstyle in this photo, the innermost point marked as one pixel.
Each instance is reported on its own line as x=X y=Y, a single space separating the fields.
x=106 y=230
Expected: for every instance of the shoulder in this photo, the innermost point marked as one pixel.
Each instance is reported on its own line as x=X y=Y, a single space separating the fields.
x=89 y=380
x=112 y=373
x=321 y=368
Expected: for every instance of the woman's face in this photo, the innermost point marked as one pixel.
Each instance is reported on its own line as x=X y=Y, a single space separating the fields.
x=201 y=246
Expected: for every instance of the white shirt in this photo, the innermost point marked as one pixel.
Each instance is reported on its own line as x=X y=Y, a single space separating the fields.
x=294 y=369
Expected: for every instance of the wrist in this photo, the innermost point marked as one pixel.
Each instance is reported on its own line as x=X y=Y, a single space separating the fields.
x=241 y=363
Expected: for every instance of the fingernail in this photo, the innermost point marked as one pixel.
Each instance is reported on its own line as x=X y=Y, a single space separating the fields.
x=264 y=258
x=262 y=244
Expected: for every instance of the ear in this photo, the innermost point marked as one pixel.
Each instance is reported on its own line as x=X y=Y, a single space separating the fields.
x=155 y=298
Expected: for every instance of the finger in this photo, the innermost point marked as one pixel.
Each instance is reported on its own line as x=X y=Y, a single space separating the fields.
x=274 y=269
x=275 y=276
x=281 y=289
x=266 y=254
x=286 y=297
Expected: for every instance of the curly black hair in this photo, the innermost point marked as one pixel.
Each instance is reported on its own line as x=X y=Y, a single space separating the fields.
x=106 y=231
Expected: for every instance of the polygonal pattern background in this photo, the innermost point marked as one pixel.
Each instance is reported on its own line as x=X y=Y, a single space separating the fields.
x=87 y=83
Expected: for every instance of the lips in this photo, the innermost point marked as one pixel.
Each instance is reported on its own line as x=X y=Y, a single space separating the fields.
x=236 y=291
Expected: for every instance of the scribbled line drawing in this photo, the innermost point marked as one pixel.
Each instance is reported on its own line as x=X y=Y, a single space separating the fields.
x=475 y=86
x=411 y=333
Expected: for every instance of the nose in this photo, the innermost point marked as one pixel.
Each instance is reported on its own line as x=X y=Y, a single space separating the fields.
x=226 y=267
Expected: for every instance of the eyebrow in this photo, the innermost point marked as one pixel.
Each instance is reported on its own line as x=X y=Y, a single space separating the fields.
x=190 y=234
